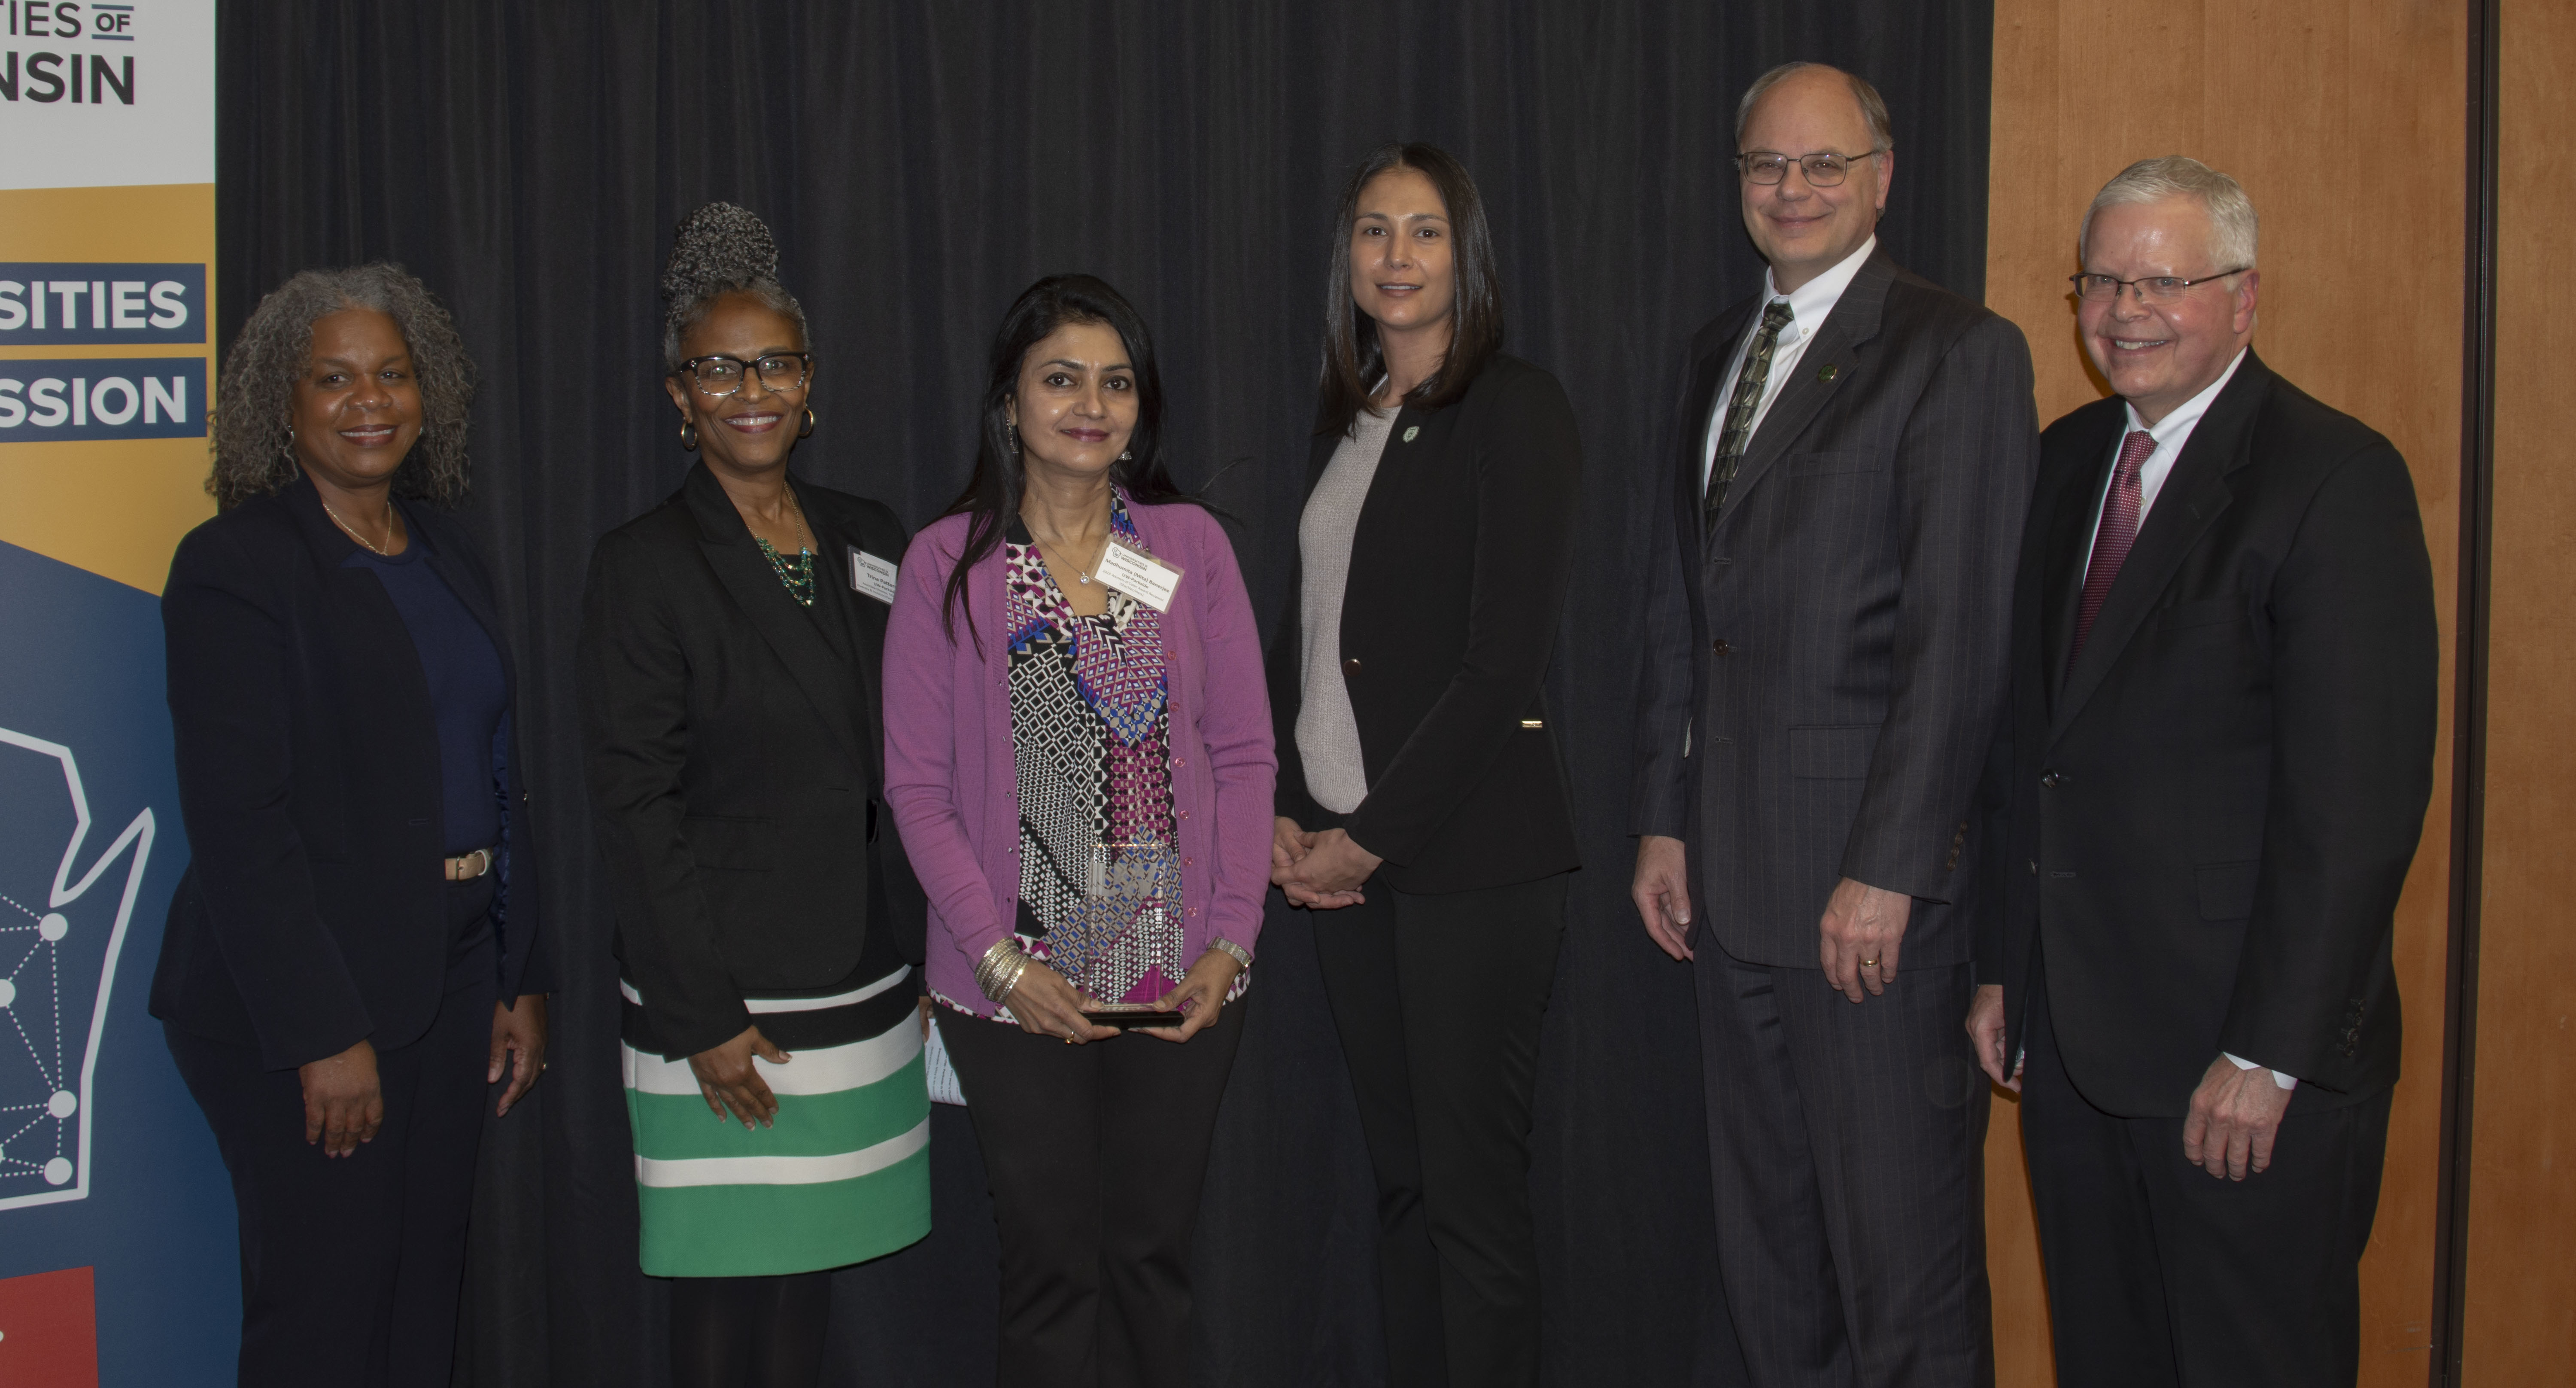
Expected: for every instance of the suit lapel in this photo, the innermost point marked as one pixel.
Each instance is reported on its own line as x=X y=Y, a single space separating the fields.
x=861 y=620
x=1853 y=321
x=790 y=632
x=2193 y=496
x=1699 y=401
x=2069 y=531
x=461 y=580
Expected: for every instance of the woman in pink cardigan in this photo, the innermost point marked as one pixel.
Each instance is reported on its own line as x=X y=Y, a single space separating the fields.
x=1078 y=753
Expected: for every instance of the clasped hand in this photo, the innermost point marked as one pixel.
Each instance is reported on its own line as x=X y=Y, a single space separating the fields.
x=1321 y=870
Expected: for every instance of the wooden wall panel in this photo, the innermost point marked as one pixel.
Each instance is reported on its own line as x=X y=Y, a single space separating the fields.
x=2344 y=120
x=2521 y=1323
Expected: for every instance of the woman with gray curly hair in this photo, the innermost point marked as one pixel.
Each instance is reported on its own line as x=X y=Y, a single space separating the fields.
x=728 y=670
x=349 y=960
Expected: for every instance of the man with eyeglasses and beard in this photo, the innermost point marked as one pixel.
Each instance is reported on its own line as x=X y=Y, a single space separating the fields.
x=2205 y=800
x=1825 y=663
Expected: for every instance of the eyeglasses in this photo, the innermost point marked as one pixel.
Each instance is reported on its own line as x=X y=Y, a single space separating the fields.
x=1823 y=170
x=722 y=375
x=2155 y=289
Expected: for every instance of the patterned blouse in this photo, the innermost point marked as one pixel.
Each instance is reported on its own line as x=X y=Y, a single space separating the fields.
x=1100 y=865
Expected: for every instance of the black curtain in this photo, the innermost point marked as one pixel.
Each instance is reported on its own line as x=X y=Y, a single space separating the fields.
x=921 y=162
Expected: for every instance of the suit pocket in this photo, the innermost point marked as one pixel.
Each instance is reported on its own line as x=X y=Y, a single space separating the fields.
x=2227 y=890
x=745 y=844
x=1833 y=464
x=2208 y=612
x=1832 y=754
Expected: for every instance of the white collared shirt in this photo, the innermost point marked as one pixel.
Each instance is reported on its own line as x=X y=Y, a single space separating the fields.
x=2171 y=433
x=1809 y=304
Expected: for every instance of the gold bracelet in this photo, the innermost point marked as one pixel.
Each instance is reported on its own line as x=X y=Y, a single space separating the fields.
x=998 y=972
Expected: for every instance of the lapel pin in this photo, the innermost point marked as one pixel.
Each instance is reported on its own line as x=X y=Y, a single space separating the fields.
x=1410 y=432
x=1829 y=372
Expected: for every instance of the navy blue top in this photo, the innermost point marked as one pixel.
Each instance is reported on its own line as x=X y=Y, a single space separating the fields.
x=465 y=691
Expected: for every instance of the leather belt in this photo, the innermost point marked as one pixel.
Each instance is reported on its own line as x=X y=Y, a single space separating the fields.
x=466 y=867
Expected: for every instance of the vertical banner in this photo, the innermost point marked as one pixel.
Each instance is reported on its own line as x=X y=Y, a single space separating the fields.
x=117 y=1255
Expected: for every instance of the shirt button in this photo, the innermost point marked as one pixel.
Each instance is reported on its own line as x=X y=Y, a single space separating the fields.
x=1189 y=862
x=1351 y=666
x=1721 y=647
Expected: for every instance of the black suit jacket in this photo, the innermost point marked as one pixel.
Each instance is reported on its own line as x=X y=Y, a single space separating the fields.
x=1822 y=678
x=313 y=914
x=1458 y=573
x=2205 y=822
x=735 y=757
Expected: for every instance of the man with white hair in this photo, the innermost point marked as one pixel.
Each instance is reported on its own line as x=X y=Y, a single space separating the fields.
x=2209 y=787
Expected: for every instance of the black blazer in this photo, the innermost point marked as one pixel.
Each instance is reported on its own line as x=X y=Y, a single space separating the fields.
x=313 y=914
x=735 y=752
x=1458 y=573
x=2206 y=822
x=1822 y=677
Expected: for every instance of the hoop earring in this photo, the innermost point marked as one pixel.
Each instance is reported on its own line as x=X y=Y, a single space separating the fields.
x=689 y=435
x=808 y=431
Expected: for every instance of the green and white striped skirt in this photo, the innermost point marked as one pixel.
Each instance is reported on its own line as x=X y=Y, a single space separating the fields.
x=842 y=1176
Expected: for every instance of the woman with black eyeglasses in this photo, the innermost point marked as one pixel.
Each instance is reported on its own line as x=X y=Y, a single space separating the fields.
x=767 y=923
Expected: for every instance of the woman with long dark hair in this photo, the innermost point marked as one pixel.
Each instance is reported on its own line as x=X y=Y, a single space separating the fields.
x=351 y=956
x=1422 y=805
x=1078 y=750
x=728 y=671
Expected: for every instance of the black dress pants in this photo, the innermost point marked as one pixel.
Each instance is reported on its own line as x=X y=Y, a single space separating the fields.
x=1095 y=1154
x=2161 y=1275
x=1847 y=1149
x=1438 y=999
x=351 y=1266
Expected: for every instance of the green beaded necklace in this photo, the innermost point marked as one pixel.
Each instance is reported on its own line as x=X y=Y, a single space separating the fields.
x=799 y=578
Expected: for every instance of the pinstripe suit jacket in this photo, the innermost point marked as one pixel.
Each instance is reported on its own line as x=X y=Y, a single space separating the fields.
x=1824 y=670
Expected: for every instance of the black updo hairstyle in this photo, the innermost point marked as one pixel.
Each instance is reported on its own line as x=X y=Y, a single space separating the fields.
x=721 y=249
x=991 y=501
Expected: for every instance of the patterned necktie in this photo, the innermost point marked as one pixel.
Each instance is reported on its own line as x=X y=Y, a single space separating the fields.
x=2111 y=540
x=1740 y=409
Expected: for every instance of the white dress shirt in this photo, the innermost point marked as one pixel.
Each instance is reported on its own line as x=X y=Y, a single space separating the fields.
x=1809 y=303
x=2170 y=434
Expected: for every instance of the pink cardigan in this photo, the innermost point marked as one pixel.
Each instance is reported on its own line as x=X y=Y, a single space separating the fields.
x=954 y=786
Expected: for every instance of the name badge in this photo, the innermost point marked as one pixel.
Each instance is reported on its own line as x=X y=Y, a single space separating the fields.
x=1139 y=575
x=871 y=575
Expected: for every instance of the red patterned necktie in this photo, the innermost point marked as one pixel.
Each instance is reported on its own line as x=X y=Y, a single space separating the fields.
x=2111 y=540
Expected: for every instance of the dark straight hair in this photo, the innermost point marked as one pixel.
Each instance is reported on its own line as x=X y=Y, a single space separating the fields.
x=1353 y=358
x=991 y=501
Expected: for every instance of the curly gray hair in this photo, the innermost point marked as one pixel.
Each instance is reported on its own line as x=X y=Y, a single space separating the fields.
x=252 y=455
x=720 y=249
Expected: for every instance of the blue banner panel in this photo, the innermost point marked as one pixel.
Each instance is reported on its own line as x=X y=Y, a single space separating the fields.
x=79 y=301
x=105 y=1161
x=103 y=398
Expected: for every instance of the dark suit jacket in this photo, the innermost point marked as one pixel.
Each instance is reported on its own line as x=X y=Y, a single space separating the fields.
x=2205 y=823
x=735 y=754
x=1458 y=573
x=313 y=914
x=1822 y=679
